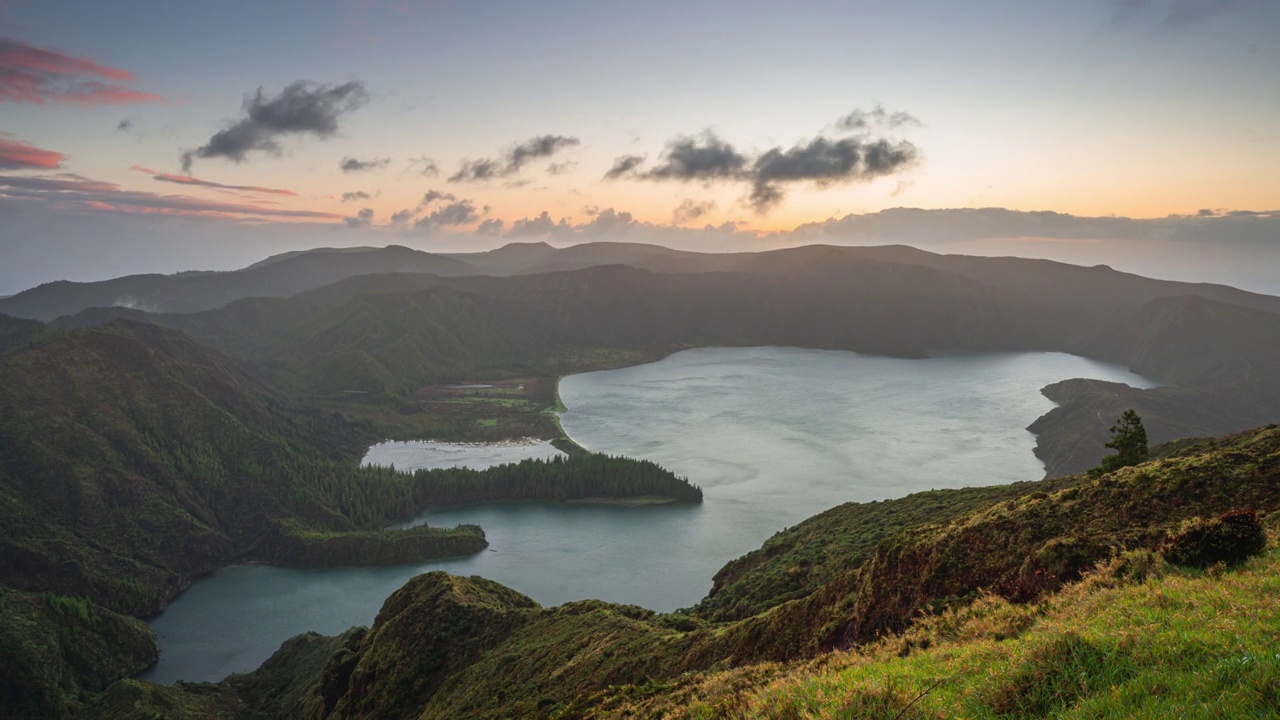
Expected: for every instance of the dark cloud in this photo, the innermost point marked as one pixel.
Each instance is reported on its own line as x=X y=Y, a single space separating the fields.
x=402 y=218
x=350 y=164
x=705 y=158
x=822 y=161
x=462 y=212
x=124 y=125
x=490 y=228
x=475 y=170
x=514 y=159
x=432 y=196
x=362 y=219
x=353 y=196
x=691 y=209
x=624 y=166
x=876 y=119
x=302 y=108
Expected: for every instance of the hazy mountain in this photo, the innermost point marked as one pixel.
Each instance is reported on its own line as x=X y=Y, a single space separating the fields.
x=280 y=276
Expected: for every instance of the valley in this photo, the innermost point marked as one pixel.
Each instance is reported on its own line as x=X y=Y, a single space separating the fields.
x=796 y=382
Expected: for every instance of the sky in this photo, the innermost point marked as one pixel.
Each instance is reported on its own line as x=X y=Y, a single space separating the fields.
x=163 y=136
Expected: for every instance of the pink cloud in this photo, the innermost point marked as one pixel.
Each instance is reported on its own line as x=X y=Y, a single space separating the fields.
x=70 y=191
x=197 y=182
x=37 y=75
x=15 y=155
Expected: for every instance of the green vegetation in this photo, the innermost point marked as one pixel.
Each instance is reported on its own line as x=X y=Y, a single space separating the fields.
x=1229 y=539
x=577 y=477
x=797 y=561
x=1129 y=440
x=133 y=458
x=1053 y=604
x=1167 y=643
x=58 y=651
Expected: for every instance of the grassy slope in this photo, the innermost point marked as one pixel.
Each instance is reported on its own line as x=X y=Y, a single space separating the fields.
x=800 y=559
x=1166 y=643
x=455 y=647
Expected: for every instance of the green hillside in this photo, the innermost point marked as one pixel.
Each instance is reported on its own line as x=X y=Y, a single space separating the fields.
x=986 y=606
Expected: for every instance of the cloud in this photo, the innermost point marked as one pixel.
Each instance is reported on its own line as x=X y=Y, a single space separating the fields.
x=462 y=212
x=15 y=155
x=877 y=119
x=402 y=218
x=705 y=157
x=623 y=166
x=302 y=108
x=41 y=75
x=197 y=182
x=541 y=225
x=362 y=219
x=434 y=195
x=931 y=227
x=609 y=223
x=1185 y=13
x=822 y=161
x=425 y=166
x=515 y=158
x=561 y=167
x=491 y=228
x=826 y=162
x=350 y=164
x=354 y=196
x=124 y=125
x=691 y=209
x=1166 y=14
x=73 y=192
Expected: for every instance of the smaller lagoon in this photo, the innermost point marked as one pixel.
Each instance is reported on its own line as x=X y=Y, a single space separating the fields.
x=432 y=455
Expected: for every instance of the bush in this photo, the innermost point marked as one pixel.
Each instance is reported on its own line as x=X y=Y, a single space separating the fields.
x=1232 y=538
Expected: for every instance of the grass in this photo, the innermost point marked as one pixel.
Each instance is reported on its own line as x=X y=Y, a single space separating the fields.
x=1175 y=643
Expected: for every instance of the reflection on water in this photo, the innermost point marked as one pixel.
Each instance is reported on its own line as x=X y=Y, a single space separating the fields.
x=773 y=435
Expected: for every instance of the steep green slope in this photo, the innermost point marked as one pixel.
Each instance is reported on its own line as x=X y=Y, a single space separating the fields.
x=134 y=458
x=1139 y=638
x=453 y=647
x=58 y=651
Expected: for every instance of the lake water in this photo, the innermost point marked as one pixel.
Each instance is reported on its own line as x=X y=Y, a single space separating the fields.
x=773 y=436
x=429 y=455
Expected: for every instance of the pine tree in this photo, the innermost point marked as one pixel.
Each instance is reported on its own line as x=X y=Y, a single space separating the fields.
x=1129 y=440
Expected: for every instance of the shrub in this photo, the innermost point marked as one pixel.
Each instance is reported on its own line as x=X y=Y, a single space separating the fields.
x=1232 y=538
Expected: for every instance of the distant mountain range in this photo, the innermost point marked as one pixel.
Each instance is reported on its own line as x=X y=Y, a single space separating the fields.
x=530 y=308
x=291 y=273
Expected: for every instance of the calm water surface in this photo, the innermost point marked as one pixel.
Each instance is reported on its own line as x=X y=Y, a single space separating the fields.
x=773 y=435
